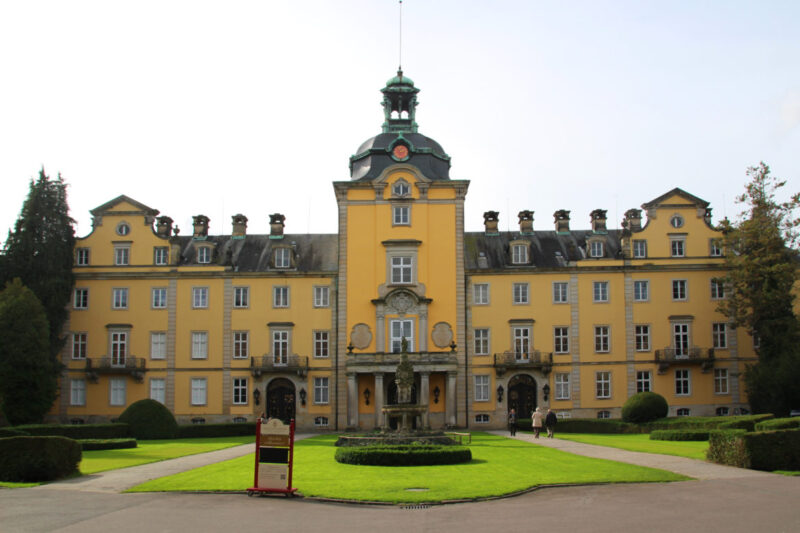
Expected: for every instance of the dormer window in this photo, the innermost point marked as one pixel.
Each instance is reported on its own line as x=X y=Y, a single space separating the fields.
x=401 y=188
x=204 y=254
x=676 y=221
x=283 y=258
x=596 y=249
x=123 y=229
x=519 y=254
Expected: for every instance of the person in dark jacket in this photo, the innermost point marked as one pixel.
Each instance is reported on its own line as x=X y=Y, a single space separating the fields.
x=550 y=423
x=512 y=422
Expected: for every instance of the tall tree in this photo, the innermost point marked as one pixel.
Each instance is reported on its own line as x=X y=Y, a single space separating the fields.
x=28 y=380
x=762 y=260
x=40 y=252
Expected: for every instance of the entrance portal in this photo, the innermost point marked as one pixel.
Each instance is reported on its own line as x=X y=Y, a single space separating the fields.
x=522 y=395
x=280 y=399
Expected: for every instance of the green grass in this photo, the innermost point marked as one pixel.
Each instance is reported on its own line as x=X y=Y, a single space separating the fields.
x=642 y=443
x=499 y=466
x=14 y=485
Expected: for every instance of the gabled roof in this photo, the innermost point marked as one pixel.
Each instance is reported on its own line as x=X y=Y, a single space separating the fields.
x=699 y=202
x=120 y=199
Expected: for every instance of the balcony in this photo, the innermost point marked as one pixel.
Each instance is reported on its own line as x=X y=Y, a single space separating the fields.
x=536 y=360
x=297 y=364
x=417 y=359
x=694 y=356
x=133 y=366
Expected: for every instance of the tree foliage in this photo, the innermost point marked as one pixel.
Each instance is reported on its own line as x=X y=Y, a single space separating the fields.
x=762 y=259
x=28 y=379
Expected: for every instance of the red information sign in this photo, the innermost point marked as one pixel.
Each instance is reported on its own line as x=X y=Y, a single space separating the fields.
x=274 y=457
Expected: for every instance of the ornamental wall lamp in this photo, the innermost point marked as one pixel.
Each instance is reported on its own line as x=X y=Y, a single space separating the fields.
x=499 y=393
x=256 y=396
x=546 y=391
x=452 y=346
x=436 y=393
x=350 y=348
x=366 y=395
x=303 y=397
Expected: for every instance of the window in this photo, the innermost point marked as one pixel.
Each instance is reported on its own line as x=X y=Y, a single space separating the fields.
x=601 y=339
x=719 y=335
x=481 y=388
x=116 y=391
x=122 y=255
x=678 y=247
x=321 y=421
x=77 y=392
x=119 y=298
x=676 y=221
x=280 y=347
x=562 y=386
x=402 y=269
x=639 y=249
x=199 y=391
x=756 y=340
x=199 y=297
x=80 y=299
x=239 y=391
x=722 y=411
x=158 y=345
x=561 y=339
x=322 y=296
x=644 y=381
x=560 y=292
x=715 y=248
x=679 y=289
x=603 y=414
x=399 y=330
x=717 y=289
x=123 y=229
x=600 y=291
x=119 y=348
x=283 y=258
x=79 y=341
x=519 y=254
x=159 y=297
x=321 y=344
x=482 y=418
x=603 y=384
x=480 y=292
x=641 y=290
x=241 y=344
x=199 y=345
x=158 y=389
x=596 y=249
x=481 y=342
x=241 y=297
x=520 y=293
x=321 y=390
x=160 y=255
x=82 y=257
x=682 y=385
x=401 y=188
x=641 y=335
x=720 y=381
x=522 y=343
x=683 y=411
x=680 y=339
x=204 y=254
x=280 y=296
x=401 y=215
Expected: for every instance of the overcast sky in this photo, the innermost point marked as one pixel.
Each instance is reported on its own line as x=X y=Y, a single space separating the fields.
x=254 y=107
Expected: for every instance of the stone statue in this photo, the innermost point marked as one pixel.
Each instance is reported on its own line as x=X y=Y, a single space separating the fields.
x=404 y=376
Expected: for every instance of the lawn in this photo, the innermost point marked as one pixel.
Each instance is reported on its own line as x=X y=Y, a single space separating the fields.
x=499 y=466
x=642 y=443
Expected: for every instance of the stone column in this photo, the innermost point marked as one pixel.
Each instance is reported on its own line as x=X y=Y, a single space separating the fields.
x=424 y=394
x=423 y=330
x=380 y=330
x=352 y=400
x=450 y=398
x=379 y=418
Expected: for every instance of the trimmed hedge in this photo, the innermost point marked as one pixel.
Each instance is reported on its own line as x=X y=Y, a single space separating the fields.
x=193 y=431
x=764 y=450
x=78 y=431
x=709 y=422
x=595 y=425
x=403 y=455
x=106 y=444
x=8 y=432
x=778 y=423
x=38 y=458
x=644 y=407
x=150 y=419
x=679 y=434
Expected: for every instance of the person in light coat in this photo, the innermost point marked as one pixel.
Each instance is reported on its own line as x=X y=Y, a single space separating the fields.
x=537 y=418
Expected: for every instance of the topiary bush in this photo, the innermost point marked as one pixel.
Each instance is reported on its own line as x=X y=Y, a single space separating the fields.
x=8 y=432
x=38 y=458
x=106 y=444
x=149 y=419
x=679 y=434
x=235 y=429
x=77 y=431
x=709 y=422
x=593 y=425
x=644 y=407
x=775 y=423
x=403 y=455
x=763 y=450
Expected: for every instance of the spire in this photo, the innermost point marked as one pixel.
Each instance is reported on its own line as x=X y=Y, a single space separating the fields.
x=399 y=105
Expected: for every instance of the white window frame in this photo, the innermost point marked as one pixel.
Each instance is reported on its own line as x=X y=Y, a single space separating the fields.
x=482 y=418
x=82 y=256
x=239 y=391
x=522 y=337
x=520 y=293
x=683 y=382
x=604 y=414
x=241 y=344
x=717 y=289
x=600 y=292
x=118 y=341
x=199 y=297
x=719 y=335
x=401 y=188
x=721 y=381
x=158 y=345
x=80 y=298
x=199 y=345
x=560 y=339
x=119 y=298
x=482 y=342
x=677 y=247
x=401 y=215
x=204 y=255
x=560 y=292
x=117 y=392
x=683 y=411
x=160 y=255
x=480 y=294
x=676 y=221
x=199 y=391
x=399 y=329
x=321 y=390
x=80 y=344
x=122 y=255
x=639 y=249
x=322 y=344
x=280 y=347
x=644 y=381
x=715 y=247
x=123 y=229
x=563 y=389
x=602 y=339
x=158 y=390
x=280 y=297
x=283 y=258
x=402 y=269
x=641 y=337
x=681 y=338
x=322 y=296
x=519 y=254
x=680 y=290
x=158 y=298
x=602 y=381
x=241 y=297
x=482 y=388
x=596 y=249
x=77 y=392
x=641 y=290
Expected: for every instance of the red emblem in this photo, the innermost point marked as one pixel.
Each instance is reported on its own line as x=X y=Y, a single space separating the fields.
x=400 y=151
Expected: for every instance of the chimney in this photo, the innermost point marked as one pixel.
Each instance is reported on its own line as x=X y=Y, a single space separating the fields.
x=239 y=226
x=276 y=223
x=707 y=216
x=598 y=217
x=490 y=219
x=200 y=224
x=525 y=222
x=633 y=220
x=561 y=218
x=163 y=226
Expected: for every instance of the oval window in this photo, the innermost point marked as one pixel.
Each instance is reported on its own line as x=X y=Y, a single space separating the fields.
x=676 y=221
x=123 y=228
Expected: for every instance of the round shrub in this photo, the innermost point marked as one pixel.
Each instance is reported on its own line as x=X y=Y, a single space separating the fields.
x=400 y=455
x=149 y=419
x=38 y=458
x=644 y=407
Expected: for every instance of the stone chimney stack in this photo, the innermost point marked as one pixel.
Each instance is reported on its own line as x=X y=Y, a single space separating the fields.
x=276 y=224
x=561 y=218
x=200 y=224
x=633 y=220
x=239 y=226
x=163 y=226
x=490 y=219
x=525 y=222
x=598 y=217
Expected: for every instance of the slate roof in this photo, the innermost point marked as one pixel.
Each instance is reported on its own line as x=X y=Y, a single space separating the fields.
x=373 y=157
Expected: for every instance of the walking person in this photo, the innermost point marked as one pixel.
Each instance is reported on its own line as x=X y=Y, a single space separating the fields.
x=512 y=422
x=550 y=423
x=537 y=417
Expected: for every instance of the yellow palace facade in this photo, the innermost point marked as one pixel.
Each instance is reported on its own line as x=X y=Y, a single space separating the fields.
x=226 y=327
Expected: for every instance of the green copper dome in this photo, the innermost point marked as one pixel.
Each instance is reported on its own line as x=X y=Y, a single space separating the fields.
x=400 y=80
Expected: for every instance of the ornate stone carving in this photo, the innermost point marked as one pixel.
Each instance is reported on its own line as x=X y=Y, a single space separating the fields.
x=401 y=302
x=442 y=334
x=360 y=336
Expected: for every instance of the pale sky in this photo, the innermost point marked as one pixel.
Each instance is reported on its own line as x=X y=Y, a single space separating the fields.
x=254 y=107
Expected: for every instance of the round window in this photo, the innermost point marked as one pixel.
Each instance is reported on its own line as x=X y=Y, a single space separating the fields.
x=123 y=228
x=676 y=221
